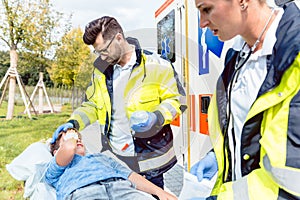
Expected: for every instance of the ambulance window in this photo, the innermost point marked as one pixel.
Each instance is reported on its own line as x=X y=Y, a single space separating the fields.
x=204 y=104
x=166 y=36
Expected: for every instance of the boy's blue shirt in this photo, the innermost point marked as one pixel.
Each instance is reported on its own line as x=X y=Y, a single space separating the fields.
x=82 y=171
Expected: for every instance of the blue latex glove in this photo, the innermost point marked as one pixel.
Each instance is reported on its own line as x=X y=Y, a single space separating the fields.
x=206 y=167
x=142 y=121
x=61 y=128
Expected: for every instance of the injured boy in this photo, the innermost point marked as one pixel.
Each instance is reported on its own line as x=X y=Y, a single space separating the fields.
x=75 y=175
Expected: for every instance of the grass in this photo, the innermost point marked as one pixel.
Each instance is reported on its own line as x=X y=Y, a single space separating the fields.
x=16 y=135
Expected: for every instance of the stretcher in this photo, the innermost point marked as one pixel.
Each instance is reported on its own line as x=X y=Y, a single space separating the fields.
x=30 y=166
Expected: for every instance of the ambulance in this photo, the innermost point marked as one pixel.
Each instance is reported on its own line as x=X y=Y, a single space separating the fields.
x=198 y=57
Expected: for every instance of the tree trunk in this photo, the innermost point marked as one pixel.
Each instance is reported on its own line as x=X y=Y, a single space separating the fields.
x=73 y=94
x=12 y=84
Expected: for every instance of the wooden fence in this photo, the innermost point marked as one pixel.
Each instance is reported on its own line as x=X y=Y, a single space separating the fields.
x=57 y=96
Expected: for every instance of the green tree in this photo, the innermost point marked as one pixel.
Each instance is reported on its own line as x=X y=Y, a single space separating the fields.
x=83 y=77
x=73 y=61
x=27 y=67
x=4 y=63
x=27 y=26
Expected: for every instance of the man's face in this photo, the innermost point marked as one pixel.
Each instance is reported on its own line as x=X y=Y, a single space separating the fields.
x=109 y=50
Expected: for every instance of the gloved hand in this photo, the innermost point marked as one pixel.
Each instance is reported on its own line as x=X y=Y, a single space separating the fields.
x=61 y=128
x=142 y=121
x=206 y=167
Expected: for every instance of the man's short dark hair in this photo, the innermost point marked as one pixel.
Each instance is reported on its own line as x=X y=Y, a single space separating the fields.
x=107 y=26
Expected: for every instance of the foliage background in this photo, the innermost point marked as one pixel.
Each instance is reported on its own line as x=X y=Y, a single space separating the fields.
x=44 y=42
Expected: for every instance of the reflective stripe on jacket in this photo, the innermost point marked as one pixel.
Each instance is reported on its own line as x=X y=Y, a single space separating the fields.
x=270 y=140
x=153 y=86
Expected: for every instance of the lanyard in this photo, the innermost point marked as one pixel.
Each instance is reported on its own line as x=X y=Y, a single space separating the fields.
x=241 y=60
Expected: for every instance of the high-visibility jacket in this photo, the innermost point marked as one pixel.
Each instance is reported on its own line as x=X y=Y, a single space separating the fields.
x=153 y=86
x=270 y=138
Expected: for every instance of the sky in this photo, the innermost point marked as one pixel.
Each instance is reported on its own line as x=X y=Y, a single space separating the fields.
x=131 y=14
x=137 y=17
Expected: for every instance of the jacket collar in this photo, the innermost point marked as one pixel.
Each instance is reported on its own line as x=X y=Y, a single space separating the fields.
x=286 y=47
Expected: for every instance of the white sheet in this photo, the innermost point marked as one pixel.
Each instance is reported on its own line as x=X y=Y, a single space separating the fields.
x=30 y=166
x=194 y=190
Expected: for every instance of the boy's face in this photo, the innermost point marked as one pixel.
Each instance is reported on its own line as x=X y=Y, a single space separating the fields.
x=73 y=134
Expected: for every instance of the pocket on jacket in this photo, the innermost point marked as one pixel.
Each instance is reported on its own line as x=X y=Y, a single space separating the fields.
x=148 y=100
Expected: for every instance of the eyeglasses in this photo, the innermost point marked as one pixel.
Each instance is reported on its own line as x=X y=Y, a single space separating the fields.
x=105 y=50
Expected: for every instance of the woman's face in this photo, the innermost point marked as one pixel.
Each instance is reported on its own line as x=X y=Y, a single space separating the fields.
x=222 y=17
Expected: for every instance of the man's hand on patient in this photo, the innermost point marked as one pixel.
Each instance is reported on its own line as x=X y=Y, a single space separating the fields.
x=63 y=127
